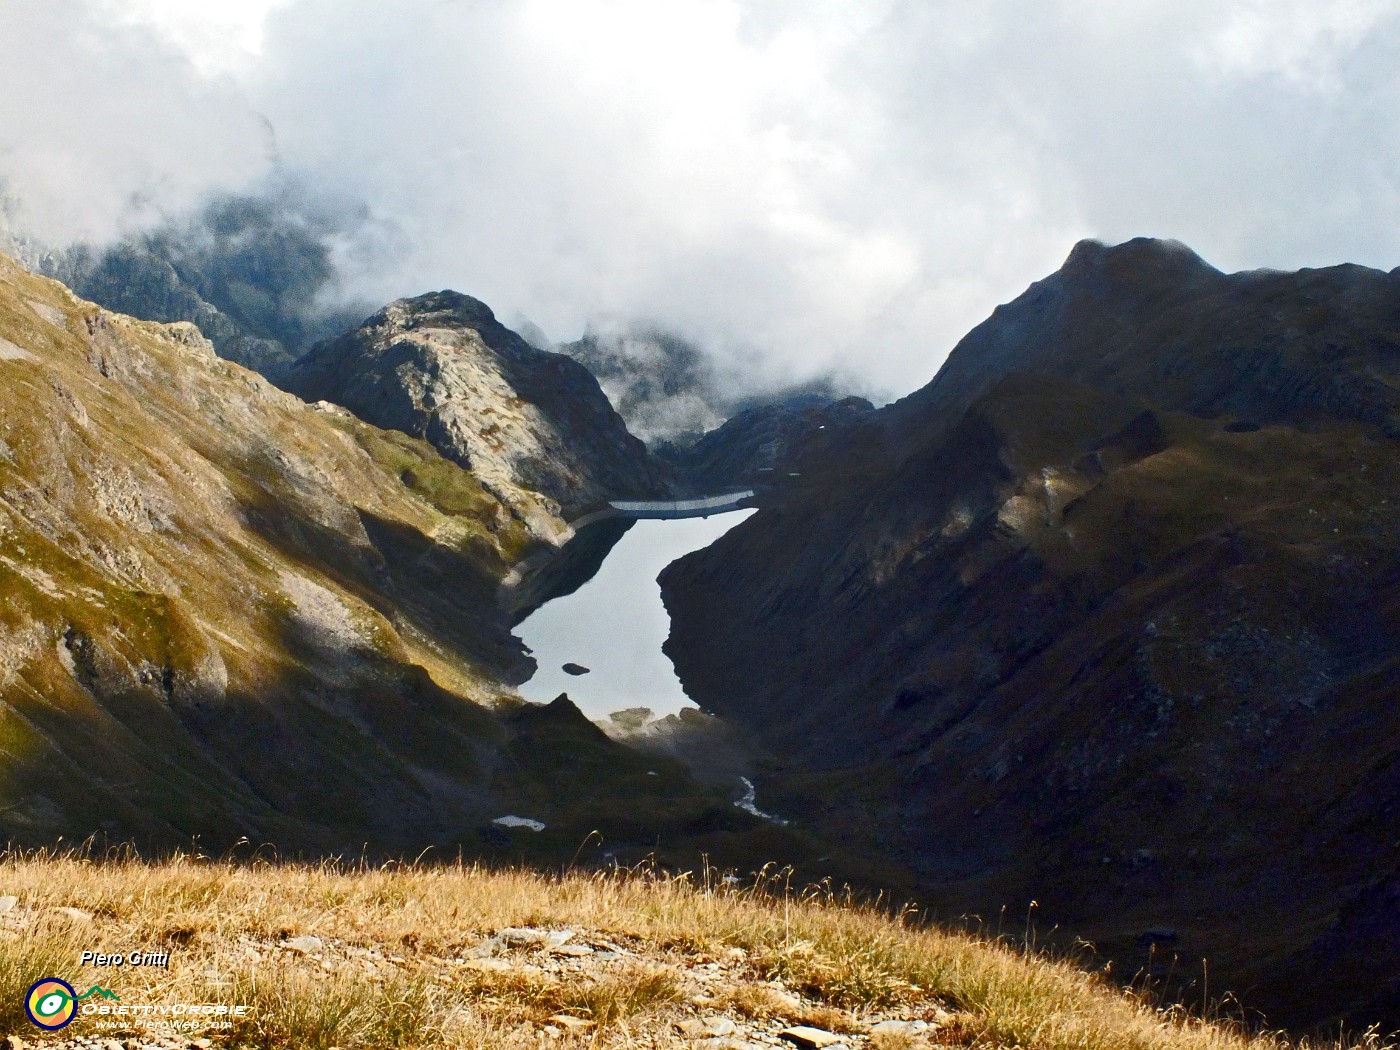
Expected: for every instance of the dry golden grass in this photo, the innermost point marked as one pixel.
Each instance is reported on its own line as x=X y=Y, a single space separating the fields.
x=398 y=969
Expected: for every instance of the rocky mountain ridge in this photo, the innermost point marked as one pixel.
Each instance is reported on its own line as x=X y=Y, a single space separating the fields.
x=676 y=394
x=665 y=386
x=1089 y=619
x=256 y=275
x=533 y=426
x=1151 y=318
x=131 y=279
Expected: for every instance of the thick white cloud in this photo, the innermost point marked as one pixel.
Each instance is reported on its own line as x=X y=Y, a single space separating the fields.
x=105 y=125
x=846 y=184
x=218 y=36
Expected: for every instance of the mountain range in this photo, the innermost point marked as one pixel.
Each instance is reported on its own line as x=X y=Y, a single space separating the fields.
x=1103 y=618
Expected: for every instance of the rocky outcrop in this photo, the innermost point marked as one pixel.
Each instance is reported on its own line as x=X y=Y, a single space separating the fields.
x=1090 y=619
x=532 y=426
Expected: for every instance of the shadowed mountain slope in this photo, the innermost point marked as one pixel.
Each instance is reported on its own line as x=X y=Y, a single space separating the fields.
x=1106 y=617
x=1152 y=318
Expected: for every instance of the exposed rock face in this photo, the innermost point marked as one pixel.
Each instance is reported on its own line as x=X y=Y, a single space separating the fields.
x=673 y=392
x=132 y=279
x=225 y=613
x=1106 y=617
x=532 y=426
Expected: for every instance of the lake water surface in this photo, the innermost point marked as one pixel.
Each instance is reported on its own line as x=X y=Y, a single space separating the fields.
x=615 y=624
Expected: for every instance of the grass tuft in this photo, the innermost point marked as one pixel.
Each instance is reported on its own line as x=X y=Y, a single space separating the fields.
x=619 y=997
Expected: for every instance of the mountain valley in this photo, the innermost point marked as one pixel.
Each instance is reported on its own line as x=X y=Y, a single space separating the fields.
x=230 y=616
x=1104 y=618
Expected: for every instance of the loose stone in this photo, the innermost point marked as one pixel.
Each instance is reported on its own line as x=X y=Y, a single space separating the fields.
x=809 y=1038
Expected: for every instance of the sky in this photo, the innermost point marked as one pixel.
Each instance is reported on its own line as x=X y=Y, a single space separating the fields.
x=800 y=185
